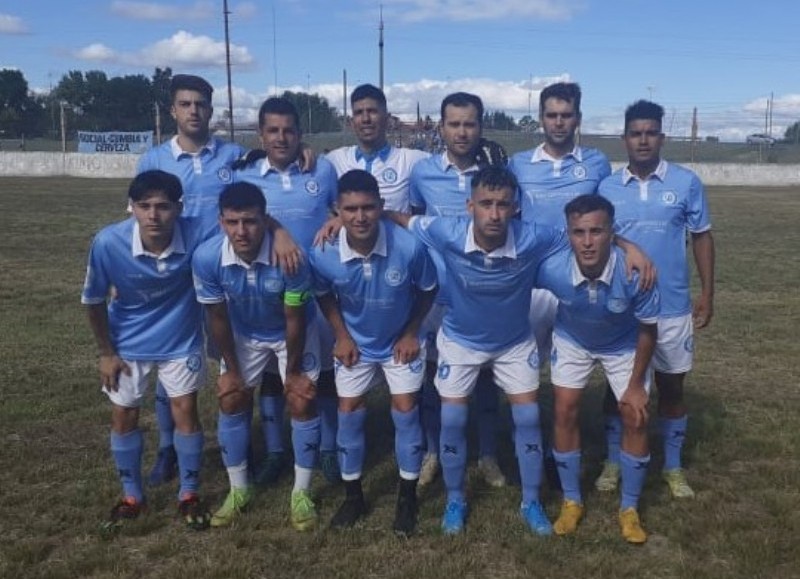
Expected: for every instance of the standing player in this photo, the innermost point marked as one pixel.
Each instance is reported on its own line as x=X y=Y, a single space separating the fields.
x=375 y=284
x=440 y=185
x=603 y=318
x=302 y=201
x=256 y=313
x=152 y=322
x=656 y=204
x=490 y=262
x=391 y=166
x=203 y=165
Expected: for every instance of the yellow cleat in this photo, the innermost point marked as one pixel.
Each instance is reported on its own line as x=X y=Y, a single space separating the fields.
x=568 y=519
x=631 y=527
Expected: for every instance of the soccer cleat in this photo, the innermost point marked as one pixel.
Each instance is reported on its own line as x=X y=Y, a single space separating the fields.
x=536 y=518
x=491 y=472
x=349 y=512
x=303 y=510
x=609 y=478
x=678 y=485
x=568 y=519
x=405 y=514
x=329 y=464
x=194 y=512
x=165 y=467
x=236 y=502
x=271 y=469
x=631 y=527
x=455 y=515
x=429 y=469
x=128 y=508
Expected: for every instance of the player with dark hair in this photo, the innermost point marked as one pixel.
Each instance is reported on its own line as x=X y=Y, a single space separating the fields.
x=375 y=283
x=151 y=323
x=440 y=185
x=657 y=203
x=605 y=319
x=256 y=313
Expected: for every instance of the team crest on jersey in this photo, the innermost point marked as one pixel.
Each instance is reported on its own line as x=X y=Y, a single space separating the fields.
x=394 y=276
x=224 y=174
x=444 y=371
x=309 y=361
x=389 y=175
x=273 y=285
x=579 y=172
x=193 y=363
x=533 y=360
x=617 y=305
x=416 y=366
x=312 y=187
x=688 y=344
x=669 y=198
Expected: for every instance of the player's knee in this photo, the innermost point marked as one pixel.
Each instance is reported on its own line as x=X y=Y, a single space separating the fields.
x=566 y=414
x=235 y=402
x=629 y=418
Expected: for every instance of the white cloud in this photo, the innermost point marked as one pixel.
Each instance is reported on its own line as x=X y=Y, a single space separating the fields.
x=184 y=48
x=12 y=25
x=470 y=10
x=96 y=52
x=201 y=10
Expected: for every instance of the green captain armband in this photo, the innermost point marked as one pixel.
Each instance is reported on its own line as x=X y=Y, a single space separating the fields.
x=296 y=299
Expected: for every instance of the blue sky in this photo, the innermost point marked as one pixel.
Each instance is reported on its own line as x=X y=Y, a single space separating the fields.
x=726 y=58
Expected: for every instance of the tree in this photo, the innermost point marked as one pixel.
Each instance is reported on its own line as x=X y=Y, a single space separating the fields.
x=323 y=117
x=792 y=134
x=499 y=121
x=528 y=124
x=21 y=113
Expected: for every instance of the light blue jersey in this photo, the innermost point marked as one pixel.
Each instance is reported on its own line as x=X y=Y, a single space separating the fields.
x=548 y=184
x=376 y=292
x=489 y=294
x=601 y=316
x=391 y=166
x=439 y=188
x=153 y=315
x=203 y=175
x=656 y=213
x=300 y=200
x=254 y=292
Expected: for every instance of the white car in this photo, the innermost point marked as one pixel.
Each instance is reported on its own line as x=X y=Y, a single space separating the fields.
x=760 y=139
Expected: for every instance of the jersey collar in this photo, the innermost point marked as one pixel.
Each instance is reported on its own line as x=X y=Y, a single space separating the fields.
x=175 y=246
x=540 y=155
x=292 y=168
x=230 y=258
x=382 y=154
x=175 y=148
x=508 y=250
x=446 y=164
x=608 y=271
x=347 y=253
x=660 y=173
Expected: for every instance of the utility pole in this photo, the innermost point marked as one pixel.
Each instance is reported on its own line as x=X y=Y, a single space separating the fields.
x=380 y=50
x=157 y=110
x=344 y=98
x=694 y=132
x=228 y=68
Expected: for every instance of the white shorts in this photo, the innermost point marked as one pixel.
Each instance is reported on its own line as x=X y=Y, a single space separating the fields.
x=675 y=345
x=571 y=366
x=254 y=356
x=363 y=376
x=430 y=328
x=515 y=370
x=180 y=376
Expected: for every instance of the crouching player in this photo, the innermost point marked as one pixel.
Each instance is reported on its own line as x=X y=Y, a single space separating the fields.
x=375 y=285
x=256 y=312
x=602 y=318
x=152 y=322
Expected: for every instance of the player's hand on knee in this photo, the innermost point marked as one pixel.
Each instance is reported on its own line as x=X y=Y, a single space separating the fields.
x=110 y=367
x=300 y=386
x=633 y=406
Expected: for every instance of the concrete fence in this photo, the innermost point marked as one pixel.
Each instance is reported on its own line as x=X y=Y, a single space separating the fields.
x=45 y=164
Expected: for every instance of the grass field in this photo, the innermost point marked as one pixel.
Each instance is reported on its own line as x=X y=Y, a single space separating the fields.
x=57 y=481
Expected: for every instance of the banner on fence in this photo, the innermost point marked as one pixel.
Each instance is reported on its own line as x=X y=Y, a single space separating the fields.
x=114 y=141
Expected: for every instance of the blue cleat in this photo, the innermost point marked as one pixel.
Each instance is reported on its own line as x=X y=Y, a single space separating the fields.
x=455 y=515
x=165 y=468
x=536 y=518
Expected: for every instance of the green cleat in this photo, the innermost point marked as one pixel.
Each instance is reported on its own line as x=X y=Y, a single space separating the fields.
x=236 y=502
x=678 y=485
x=304 y=513
x=609 y=479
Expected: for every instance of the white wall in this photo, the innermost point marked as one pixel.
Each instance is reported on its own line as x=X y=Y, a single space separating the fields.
x=41 y=164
